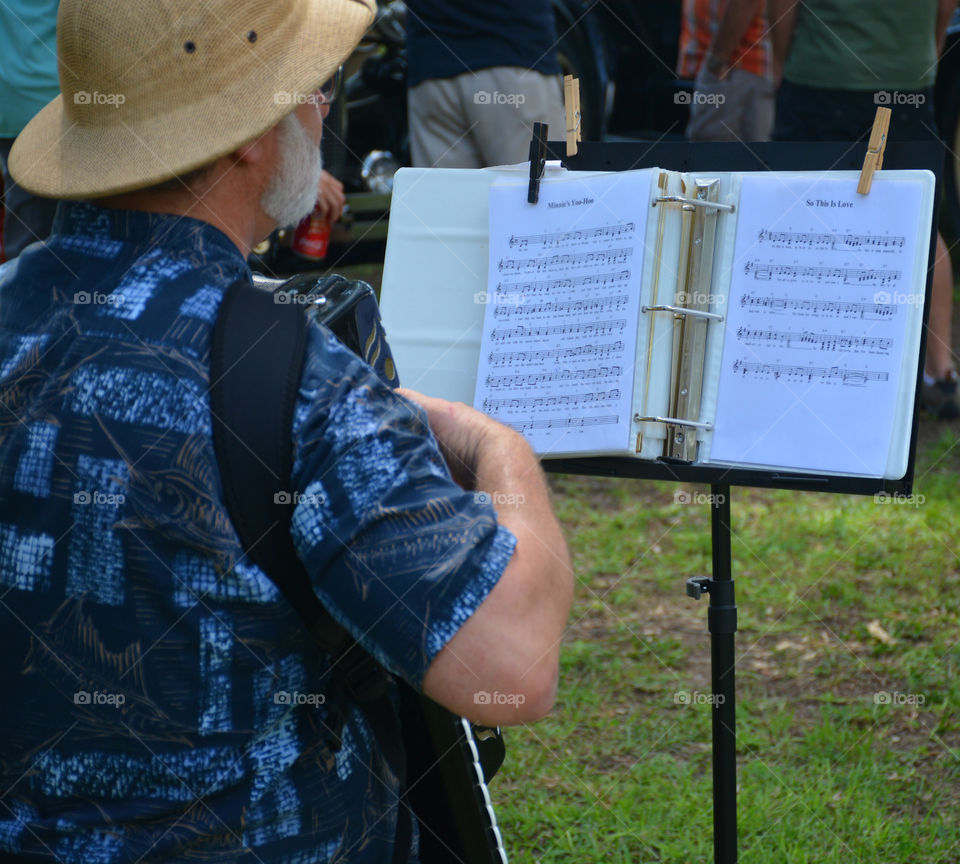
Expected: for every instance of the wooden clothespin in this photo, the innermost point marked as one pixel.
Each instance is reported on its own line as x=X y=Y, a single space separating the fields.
x=538 y=160
x=571 y=107
x=873 y=161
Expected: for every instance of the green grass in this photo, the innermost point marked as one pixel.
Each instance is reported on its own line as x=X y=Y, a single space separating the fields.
x=840 y=599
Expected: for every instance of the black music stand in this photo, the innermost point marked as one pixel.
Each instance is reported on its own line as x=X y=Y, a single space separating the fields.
x=722 y=612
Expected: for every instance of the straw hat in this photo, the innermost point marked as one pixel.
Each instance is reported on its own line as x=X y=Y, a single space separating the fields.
x=155 y=88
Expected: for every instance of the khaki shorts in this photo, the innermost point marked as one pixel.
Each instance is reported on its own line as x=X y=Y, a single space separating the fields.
x=482 y=118
x=738 y=107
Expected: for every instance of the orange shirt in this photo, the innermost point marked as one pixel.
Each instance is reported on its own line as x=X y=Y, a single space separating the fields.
x=701 y=20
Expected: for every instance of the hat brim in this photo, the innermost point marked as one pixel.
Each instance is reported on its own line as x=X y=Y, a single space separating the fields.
x=56 y=158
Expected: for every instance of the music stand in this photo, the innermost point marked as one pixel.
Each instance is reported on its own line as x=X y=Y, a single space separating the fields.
x=722 y=611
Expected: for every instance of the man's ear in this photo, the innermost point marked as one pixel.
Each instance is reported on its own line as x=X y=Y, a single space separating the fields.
x=262 y=149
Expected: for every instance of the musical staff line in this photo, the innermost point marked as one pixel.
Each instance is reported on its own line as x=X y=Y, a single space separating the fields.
x=563 y=400
x=806 y=273
x=600 y=352
x=565 y=423
x=568 y=259
x=547 y=286
x=812 y=341
x=853 y=377
x=843 y=242
x=599 y=305
x=608 y=232
x=847 y=308
x=599 y=328
x=534 y=379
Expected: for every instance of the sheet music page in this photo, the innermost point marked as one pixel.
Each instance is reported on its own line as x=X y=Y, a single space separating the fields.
x=822 y=281
x=560 y=325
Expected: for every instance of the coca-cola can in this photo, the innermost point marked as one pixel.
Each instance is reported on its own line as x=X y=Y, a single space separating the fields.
x=312 y=237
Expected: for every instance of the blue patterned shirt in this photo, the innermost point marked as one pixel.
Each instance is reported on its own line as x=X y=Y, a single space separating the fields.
x=162 y=701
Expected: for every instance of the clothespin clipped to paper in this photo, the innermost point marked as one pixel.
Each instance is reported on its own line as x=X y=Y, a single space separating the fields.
x=538 y=160
x=571 y=107
x=874 y=158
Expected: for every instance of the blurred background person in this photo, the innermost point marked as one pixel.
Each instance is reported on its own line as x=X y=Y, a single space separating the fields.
x=725 y=48
x=836 y=61
x=480 y=76
x=28 y=81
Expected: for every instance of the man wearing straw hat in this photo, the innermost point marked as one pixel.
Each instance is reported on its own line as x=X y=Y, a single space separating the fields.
x=162 y=700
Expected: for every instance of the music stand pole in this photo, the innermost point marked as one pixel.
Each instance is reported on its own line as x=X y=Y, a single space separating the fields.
x=722 y=624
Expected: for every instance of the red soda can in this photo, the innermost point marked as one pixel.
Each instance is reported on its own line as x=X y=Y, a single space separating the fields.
x=312 y=237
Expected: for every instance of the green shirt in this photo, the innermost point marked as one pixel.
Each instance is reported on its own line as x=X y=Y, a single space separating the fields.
x=864 y=45
x=28 y=61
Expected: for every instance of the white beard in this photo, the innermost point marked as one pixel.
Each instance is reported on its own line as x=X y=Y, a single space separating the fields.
x=292 y=191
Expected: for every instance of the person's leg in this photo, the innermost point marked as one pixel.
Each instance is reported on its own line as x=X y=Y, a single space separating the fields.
x=939 y=359
x=714 y=109
x=27 y=218
x=440 y=133
x=503 y=103
x=737 y=107
x=939 y=394
x=758 y=98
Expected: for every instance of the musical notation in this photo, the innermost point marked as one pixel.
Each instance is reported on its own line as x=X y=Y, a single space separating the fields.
x=568 y=259
x=824 y=374
x=843 y=242
x=806 y=273
x=535 y=379
x=600 y=305
x=837 y=308
x=593 y=329
x=564 y=423
x=591 y=352
x=561 y=400
x=819 y=353
x=559 y=336
x=812 y=341
x=550 y=286
x=562 y=238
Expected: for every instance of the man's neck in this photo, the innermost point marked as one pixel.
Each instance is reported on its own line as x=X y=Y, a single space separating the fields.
x=214 y=199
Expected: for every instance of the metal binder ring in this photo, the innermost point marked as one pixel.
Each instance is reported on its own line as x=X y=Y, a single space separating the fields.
x=673 y=421
x=696 y=202
x=682 y=310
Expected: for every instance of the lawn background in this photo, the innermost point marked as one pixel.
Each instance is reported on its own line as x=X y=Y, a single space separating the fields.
x=848 y=702
x=848 y=728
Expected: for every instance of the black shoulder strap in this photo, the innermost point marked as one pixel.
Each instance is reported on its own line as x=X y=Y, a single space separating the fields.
x=256 y=362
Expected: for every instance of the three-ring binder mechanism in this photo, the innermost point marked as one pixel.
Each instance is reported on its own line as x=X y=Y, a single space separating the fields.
x=690 y=311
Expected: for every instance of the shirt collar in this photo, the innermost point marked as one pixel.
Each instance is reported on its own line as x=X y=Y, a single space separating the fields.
x=166 y=230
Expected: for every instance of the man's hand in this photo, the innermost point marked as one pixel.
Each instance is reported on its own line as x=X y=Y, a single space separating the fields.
x=463 y=435
x=511 y=643
x=330 y=197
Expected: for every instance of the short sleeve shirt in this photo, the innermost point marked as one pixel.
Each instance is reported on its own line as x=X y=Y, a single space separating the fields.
x=861 y=45
x=28 y=61
x=162 y=700
x=701 y=20
x=446 y=38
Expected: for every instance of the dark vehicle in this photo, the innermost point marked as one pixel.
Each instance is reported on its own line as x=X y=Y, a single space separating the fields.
x=624 y=53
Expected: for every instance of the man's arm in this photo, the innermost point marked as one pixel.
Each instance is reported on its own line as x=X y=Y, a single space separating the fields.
x=734 y=21
x=511 y=644
x=782 y=15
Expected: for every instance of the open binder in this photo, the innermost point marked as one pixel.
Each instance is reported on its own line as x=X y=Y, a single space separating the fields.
x=761 y=320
